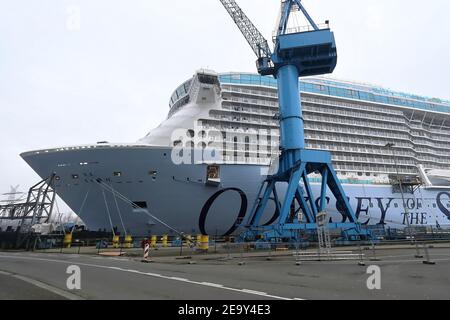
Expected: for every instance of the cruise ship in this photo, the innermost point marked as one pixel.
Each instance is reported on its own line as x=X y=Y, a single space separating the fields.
x=201 y=169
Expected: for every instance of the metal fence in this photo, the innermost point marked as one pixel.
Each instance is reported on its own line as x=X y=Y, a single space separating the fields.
x=80 y=243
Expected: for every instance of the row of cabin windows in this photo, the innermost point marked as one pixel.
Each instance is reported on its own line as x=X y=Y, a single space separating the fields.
x=419 y=206
x=202 y=134
x=191 y=134
x=191 y=144
x=152 y=173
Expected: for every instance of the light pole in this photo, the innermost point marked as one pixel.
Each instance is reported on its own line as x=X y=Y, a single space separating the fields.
x=391 y=146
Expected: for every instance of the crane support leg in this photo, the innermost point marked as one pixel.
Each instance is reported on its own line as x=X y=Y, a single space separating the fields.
x=298 y=191
x=290 y=193
x=295 y=165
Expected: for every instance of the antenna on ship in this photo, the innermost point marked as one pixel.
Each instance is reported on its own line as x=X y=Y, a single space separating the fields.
x=298 y=52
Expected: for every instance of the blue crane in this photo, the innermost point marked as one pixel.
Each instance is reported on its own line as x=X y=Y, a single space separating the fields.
x=296 y=54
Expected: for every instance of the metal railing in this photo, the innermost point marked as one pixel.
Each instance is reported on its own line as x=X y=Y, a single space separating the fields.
x=304 y=28
x=231 y=249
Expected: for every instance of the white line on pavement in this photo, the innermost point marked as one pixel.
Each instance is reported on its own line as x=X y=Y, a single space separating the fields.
x=5 y=273
x=254 y=292
x=246 y=291
x=179 y=279
x=44 y=286
x=210 y=284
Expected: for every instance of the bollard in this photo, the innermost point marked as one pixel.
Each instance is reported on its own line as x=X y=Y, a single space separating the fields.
x=153 y=241
x=68 y=240
x=204 y=243
x=198 y=241
x=181 y=246
x=427 y=254
x=374 y=253
x=165 y=242
x=242 y=262
x=298 y=261
x=418 y=255
x=146 y=253
x=228 y=250
x=215 y=242
x=188 y=240
x=319 y=252
x=269 y=258
x=116 y=242
x=361 y=262
x=128 y=243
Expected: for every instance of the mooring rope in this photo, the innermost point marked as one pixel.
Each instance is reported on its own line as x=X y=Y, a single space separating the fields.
x=120 y=215
x=104 y=186
x=109 y=214
x=59 y=216
x=84 y=200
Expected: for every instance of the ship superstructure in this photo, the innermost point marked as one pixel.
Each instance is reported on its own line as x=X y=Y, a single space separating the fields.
x=354 y=121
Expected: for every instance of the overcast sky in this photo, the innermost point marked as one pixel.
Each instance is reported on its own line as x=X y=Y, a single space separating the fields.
x=110 y=76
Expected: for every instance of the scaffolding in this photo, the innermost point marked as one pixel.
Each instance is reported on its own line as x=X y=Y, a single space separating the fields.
x=37 y=208
x=409 y=184
x=323 y=235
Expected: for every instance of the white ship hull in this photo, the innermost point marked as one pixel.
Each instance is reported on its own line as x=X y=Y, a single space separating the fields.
x=179 y=196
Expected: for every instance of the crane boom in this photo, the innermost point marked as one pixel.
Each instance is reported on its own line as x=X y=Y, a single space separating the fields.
x=255 y=39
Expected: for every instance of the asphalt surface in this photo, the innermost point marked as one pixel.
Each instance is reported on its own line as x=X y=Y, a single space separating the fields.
x=13 y=288
x=44 y=276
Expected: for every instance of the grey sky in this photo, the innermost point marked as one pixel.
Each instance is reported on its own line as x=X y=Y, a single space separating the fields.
x=112 y=79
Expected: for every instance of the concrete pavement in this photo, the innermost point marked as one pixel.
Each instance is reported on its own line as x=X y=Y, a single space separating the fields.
x=13 y=288
x=222 y=278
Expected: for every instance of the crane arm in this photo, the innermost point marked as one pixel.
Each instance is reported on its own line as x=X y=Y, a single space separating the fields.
x=255 y=39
